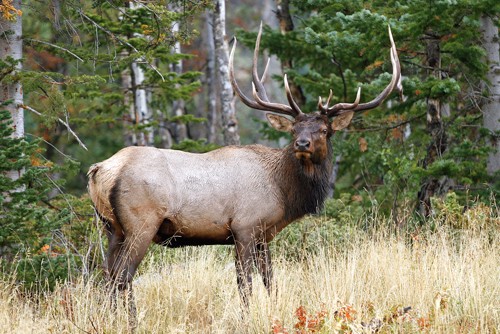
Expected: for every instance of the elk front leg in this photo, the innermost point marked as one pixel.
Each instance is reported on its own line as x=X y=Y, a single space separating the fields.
x=263 y=263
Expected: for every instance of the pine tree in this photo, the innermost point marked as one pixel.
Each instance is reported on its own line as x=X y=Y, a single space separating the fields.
x=387 y=154
x=28 y=225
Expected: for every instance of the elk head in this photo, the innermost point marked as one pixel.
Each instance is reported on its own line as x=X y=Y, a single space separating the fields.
x=311 y=131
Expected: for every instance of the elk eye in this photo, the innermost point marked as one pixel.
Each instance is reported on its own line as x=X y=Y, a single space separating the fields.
x=325 y=131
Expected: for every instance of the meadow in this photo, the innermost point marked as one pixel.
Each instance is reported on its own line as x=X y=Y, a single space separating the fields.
x=330 y=278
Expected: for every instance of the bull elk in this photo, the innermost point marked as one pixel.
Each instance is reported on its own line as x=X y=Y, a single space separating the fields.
x=238 y=195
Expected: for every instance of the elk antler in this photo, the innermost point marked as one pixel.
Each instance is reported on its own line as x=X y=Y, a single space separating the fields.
x=341 y=108
x=261 y=101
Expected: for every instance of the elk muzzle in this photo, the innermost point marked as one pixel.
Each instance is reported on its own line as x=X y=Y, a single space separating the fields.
x=303 y=148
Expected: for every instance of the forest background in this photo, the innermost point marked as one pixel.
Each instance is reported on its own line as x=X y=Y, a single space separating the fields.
x=94 y=76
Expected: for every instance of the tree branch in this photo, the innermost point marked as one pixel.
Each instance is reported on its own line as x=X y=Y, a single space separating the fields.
x=55 y=46
x=382 y=128
x=122 y=41
x=60 y=121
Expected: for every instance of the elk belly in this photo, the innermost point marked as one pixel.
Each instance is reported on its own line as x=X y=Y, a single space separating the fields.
x=176 y=233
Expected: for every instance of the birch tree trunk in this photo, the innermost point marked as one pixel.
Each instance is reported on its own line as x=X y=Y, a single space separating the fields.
x=140 y=112
x=491 y=105
x=11 y=45
x=129 y=137
x=229 y=121
x=179 y=105
x=212 y=116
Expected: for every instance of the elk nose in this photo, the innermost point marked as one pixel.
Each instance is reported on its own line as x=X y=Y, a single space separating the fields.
x=302 y=144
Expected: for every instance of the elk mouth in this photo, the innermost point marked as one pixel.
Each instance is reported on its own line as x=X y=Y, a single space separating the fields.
x=303 y=155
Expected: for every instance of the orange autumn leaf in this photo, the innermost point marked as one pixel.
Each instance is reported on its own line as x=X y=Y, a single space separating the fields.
x=278 y=328
x=423 y=323
x=363 y=144
x=309 y=323
x=396 y=133
x=376 y=64
x=8 y=11
x=347 y=313
x=45 y=249
x=37 y=162
x=356 y=198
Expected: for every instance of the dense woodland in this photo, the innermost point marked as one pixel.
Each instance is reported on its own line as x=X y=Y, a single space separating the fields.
x=81 y=79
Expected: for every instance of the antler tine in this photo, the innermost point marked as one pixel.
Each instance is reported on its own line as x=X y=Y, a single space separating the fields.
x=264 y=74
x=324 y=108
x=255 y=76
x=275 y=107
x=261 y=101
x=340 y=108
x=289 y=97
x=395 y=80
x=237 y=90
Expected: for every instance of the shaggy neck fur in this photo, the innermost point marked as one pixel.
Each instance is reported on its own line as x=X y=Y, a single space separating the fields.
x=304 y=185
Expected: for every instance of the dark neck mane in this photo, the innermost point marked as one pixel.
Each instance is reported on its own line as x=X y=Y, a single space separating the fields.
x=304 y=187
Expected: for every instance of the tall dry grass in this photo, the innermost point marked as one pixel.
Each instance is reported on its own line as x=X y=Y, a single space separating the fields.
x=447 y=281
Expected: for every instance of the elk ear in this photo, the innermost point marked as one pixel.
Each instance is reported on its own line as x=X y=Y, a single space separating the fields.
x=280 y=123
x=342 y=121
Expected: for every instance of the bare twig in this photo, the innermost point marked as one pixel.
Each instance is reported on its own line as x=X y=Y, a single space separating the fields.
x=394 y=126
x=60 y=121
x=53 y=147
x=55 y=46
x=122 y=41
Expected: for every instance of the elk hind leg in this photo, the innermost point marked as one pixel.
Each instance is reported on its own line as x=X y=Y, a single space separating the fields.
x=130 y=254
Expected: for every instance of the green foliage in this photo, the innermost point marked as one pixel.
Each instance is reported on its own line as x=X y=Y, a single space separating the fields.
x=196 y=146
x=302 y=240
x=344 y=44
x=27 y=224
x=76 y=73
x=20 y=218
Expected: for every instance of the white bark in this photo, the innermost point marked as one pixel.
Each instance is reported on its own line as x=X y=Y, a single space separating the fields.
x=179 y=105
x=229 y=121
x=211 y=81
x=129 y=137
x=11 y=45
x=491 y=107
x=142 y=113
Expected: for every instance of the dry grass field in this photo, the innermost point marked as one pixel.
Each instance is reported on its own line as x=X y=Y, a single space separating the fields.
x=447 y=281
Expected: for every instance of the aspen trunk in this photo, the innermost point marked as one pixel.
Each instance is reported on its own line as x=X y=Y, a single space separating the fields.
x=491 y=105
x=229 y=121
x=179 y=105
x=129 y=137
x=11 y=45
x=142 y=112
x=137 y=99
x=212 y=116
